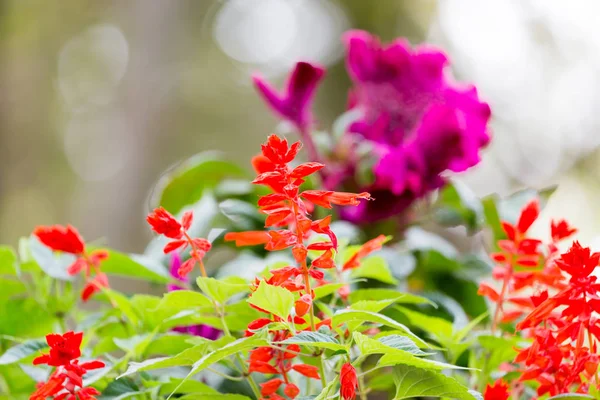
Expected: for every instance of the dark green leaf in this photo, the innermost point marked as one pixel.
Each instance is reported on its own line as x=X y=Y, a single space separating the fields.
x=414 y=382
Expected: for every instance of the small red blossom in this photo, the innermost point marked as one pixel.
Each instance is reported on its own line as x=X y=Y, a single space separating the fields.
x=348 y=382
x=270 y=387
x=63 y=349
x=163 y=223
x=366 y=249
x=561 y=230
x=68 y=240
x=497 y=391
x=66 y=382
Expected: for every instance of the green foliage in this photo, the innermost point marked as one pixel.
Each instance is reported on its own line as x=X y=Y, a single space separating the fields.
x=273 y=299
x=418 y=382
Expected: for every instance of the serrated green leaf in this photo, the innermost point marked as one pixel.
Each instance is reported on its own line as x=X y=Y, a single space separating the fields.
x=374 y=267
x=316 y=339
x=186 y=357
x=22 y=350
x=222 y=290
x=366 y=316
x=414 y=382
x=274 y=299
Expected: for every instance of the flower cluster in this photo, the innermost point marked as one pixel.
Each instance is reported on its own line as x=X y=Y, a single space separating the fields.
x=163 y=223
x=66 y=382
x=418 y=122
x=525 y=265
x=67 y=239
x=287 y=214
x=557 y=295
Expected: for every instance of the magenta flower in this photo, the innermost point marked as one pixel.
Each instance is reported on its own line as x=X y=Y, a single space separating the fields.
x=419 y=121
x=197 y=330
x=294 y=104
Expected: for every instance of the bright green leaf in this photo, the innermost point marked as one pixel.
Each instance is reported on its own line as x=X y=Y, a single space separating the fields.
x=374 y=267
x=186 y=357
x=223 y=289
x=274 y=299
x=438 y=327
x=416 y=382
x=571 y=396
x=8 y=261
x=327 y=289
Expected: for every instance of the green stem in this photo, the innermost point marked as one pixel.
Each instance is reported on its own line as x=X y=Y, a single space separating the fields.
x=245 y=372
x=322 y=370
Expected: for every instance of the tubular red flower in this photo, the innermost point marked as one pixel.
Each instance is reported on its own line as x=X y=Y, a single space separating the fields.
x=163 y=223
x=63 y=349
x=497 y=391
x=348 y=382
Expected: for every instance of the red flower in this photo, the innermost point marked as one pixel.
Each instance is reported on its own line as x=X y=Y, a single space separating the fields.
x=94 y=285
x=163 y=223
x=310 y=371
x=561 y=230
x=291 y=390
x=63 y=349
x=366 y=249
x=50 y=388
x=325 y=198
x=248 y=238
x=497 y=391
x=348 y=382
x=61 y=238
x=270 y=387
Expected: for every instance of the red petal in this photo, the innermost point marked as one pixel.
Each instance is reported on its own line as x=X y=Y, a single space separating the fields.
x=306 y=169
x=186 y=219
x=291 y=390
x=174 y=245
x=528 y=216
x=61 y=238
x=310 y=371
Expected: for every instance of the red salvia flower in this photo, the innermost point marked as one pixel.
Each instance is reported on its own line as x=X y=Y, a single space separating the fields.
x=497 y=391
x=66 y=382
x=348 y=382
x=66 y=239
x=63 y=349
x=366 y=249
x=163 y=223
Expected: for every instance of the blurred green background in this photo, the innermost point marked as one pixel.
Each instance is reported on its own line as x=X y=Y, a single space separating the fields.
x=100 y=97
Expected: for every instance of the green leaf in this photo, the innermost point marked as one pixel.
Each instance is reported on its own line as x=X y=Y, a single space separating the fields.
x=327 y=289
x=135 y=266
x=123 y=304
x=185 y=387
x=374 y=267
x=501 y=349
x=186 y=357
x=183 y=300
x=395 y=356
x=366 y=316
x=316 y=339
x=417 y=382
x=222 y=290
x=438 y=327
x=186 y=183
x=240 y=345
x=120 y=389
x=10 y=288
x=368 y=346
x=571 y=396
x=274 y=299
x=8 y=261
x=22 y=350
x=458 y=205
x=402 y=343
x=212 y=396
x=384 y=294
x=492 y=217
x=329 y=391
